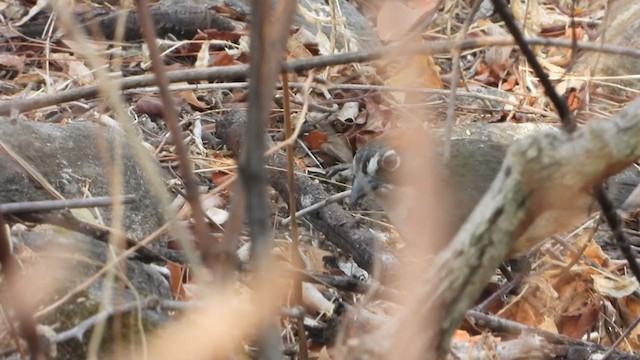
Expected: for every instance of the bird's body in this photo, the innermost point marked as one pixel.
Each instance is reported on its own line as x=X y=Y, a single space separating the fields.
x=379 y=172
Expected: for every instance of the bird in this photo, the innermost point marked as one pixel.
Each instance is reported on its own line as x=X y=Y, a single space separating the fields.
x=472 y=167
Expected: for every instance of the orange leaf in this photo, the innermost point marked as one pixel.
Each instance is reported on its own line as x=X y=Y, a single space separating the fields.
x=177 y=274
x=578 y=323
x=314 y=139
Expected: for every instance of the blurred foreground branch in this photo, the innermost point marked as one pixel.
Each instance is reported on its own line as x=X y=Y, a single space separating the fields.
x=544 y=187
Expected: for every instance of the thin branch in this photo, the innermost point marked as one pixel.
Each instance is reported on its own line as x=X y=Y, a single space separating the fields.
x=295 y=241
x=269 y=36
x=50 y=205
x=317 y=206
x=171 y=119
x=455 y=75
x=240 y=71
x=567 y=120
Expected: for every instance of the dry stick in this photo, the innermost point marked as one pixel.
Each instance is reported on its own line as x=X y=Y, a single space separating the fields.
x=240 y=71
x=295 y=240
x=455 y=74
x=315 y=207
x=498 y=324
x=266 y=54
x=16 y=298
x=30 y=171
x=49 y=205
x=242 y=85
x=171 y=119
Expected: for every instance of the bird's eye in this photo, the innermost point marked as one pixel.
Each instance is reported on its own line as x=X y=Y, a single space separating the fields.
x=390 y=161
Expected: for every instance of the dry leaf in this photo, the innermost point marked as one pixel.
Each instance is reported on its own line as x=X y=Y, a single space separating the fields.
x=314 y=139
x=349 y=112
x=203 y=56
x=578 y=323
x=418 y=71
x=12 y=62
x=297 y=49
x=617 y=288
x=30 y=77
x=191 y=98
x=177 y=274
x=338 y=147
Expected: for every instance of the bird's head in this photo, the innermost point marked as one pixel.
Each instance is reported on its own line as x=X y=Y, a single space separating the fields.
x=374 y=167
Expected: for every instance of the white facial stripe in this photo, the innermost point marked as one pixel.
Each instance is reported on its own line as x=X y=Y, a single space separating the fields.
x=372 y=165
x=396 y=160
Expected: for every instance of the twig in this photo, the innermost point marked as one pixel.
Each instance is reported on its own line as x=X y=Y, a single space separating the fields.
x=366 y=87
x=50 y=205
x=319 y=205
x=240 y=71
x=498 y=324
x=78 y=331
x=295 y=241
x=268 y=41
x=619 y=340
x=455 y=75
x=171 y=119
x=613 y=219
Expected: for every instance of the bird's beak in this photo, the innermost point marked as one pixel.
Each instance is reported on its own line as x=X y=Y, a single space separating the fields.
x=358 y=189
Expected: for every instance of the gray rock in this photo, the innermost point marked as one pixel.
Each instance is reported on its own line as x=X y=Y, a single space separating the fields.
x=83 y=257
x=69 y=156
x=504 y=133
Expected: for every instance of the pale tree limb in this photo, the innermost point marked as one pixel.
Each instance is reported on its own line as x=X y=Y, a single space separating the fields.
x=544 y=187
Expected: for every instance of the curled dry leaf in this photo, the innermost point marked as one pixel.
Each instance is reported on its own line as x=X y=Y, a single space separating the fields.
x=191 y=98
x=297 y=49
x=202 y=61
x=212 y=205
x=176 y=280
x=614 y=287
x=349 y=112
